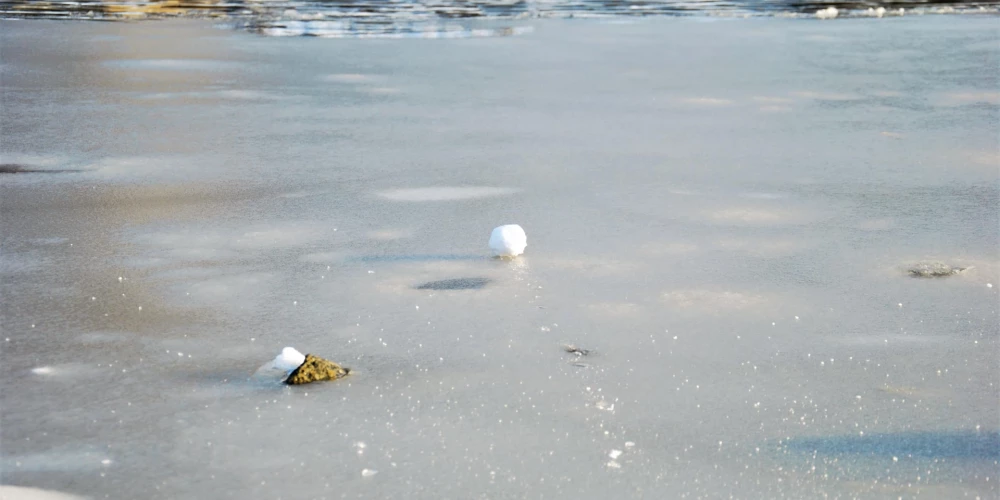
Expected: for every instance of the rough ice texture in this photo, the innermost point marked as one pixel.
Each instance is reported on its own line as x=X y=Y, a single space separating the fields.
x=315 y=369
x=289 y=359
x=934 y=270
x=508 y=241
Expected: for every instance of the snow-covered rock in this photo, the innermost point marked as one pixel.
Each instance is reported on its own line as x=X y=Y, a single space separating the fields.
x=288 y=360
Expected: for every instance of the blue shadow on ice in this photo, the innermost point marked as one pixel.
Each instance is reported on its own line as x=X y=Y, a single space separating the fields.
x=946 y=444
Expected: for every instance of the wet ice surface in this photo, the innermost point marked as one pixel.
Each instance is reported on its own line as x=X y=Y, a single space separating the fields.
x=728 y=227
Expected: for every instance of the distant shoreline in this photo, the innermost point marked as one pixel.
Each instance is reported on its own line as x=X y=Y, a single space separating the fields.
x=403 y=19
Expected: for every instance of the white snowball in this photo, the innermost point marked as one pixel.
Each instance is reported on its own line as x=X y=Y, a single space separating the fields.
x=508 y=241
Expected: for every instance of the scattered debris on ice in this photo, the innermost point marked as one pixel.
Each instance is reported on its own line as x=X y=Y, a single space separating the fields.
x=572 y=349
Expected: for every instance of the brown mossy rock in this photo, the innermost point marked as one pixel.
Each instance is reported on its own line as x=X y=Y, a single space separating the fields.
x=315 y=369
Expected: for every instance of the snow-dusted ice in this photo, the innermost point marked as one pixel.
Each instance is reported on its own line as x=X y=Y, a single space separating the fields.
x=508 y=241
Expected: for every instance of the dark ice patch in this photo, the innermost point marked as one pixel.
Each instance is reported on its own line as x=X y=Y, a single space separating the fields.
x=17 y=168
x=948 y=444
x=455 y=284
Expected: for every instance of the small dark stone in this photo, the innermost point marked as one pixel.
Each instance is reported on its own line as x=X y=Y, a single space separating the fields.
x=315 y=369
x=455 y=284
x=572 y=349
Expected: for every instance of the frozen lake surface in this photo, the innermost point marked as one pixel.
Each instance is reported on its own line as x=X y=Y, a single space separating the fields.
x=722 y=211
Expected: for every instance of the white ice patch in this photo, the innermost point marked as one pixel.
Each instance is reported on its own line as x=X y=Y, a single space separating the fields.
x=172 y=64
x=231 y=94
x=147 y=169
x=706 y=101
x=353 y=78
x=826 y=96
x=24 y=493
x=276 y=237
x=445 y=193
x=751 y=215
x=711 y=300
x=227 y=288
